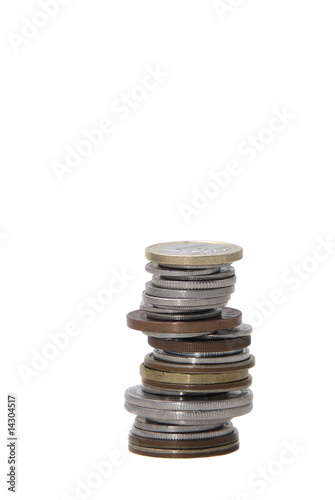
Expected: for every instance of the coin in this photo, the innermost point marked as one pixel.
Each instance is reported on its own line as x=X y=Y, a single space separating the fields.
x=154 y=268
x=202 y=358
x=196 y=453
x=218 y=281
x=181 y=435
x=177 y=377
x=167 y=366
x=195 y=389
x=155 y=291
x=137 y=397
x=202 y=344
x=188 y=253
x=185 y=444
x=152 y=426
x=138 y=320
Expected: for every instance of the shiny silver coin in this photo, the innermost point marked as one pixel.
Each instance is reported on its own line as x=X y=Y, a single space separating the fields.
x=175 y=272
x=137 y=397
x=184 y=304
x=185 y=417
x=183 y=436
x=198 y=284
x=149 y=425
x=219 y=358
x=156 y=291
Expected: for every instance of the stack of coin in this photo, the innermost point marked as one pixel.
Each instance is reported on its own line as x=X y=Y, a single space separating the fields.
x=197 y=377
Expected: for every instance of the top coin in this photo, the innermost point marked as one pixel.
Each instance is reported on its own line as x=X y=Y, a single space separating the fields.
x=193 y=253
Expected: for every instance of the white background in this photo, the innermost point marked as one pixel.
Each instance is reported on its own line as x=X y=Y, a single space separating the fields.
x=61 y=242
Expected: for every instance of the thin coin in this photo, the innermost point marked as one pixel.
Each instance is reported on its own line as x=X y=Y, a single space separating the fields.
x=197 y=359
x=151 y=426
x=182 y=435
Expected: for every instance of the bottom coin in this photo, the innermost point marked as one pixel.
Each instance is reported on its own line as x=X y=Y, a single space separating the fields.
x=190 y=453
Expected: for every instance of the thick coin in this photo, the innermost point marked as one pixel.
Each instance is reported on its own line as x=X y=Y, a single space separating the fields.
x=137 y=397
x=151 y=426
x=199 y=345
x=177 y=377
x=138 y=320
x=181 y=435
x=154 y=312
x=188 y=253
x=204 y=390
x=196 y=453
x=183 y=303
x=175 y=272
x=202 y=358
x=155 y=364
x=197 y=284
x=185 y=444
x=188 y=417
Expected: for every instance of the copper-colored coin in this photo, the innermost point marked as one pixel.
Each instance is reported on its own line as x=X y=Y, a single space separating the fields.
x=188 y=346
x=198 y=388
x=190 y=453
x=156 y=364
x=232 y=437
x=138 y=320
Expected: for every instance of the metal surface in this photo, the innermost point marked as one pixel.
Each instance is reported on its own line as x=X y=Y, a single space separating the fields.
x=193 y=253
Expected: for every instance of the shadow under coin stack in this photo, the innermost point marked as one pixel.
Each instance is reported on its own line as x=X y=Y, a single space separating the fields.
x=197 y=377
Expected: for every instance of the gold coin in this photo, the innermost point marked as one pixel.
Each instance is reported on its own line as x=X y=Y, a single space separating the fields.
x=191 y=378
x=194 y=253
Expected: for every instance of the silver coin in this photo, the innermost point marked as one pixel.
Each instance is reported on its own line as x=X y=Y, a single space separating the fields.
x=196 y=284
x=137 y=397
x=185 y=304
x=183 y=436
x=231 y=333
x=223 y=358
x=171 y=315
x=156 y=291
x=154 y=268
x=203 y=416
x=148 y=425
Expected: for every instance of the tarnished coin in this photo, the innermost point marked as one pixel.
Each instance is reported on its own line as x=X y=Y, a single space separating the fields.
x=201 y=344
x=188 y=253
x=190 y=453
x=157 y=387
x=185 y=444
x=200 y=377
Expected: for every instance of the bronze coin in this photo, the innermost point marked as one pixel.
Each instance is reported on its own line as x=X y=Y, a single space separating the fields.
x=203 y=345
x=138 y=320
x=190 y=453
x=232 y=437
x=157 y=364
x=198 y=388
